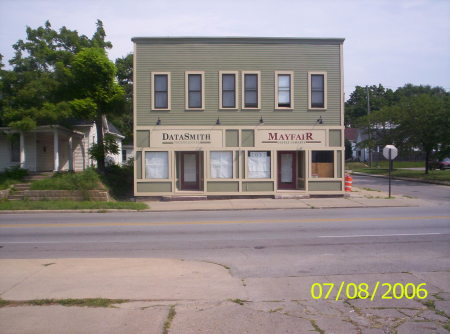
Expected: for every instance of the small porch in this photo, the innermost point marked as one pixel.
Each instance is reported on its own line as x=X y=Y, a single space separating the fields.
x=45 y=148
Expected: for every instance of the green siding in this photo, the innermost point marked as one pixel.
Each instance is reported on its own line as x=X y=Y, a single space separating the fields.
x=139 y=164
x=324 y=185
x=257 y=186
x=339 y=163
x=154 y=187
x=335 y=138
x=142 y=138
x=177 y=57
x=223 y=186
x=232 y=138
x=248 y=138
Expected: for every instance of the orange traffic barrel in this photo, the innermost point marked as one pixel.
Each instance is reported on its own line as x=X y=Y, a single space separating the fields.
x=348 y=182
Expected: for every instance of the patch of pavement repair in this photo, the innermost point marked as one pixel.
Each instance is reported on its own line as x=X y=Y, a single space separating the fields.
x=261 y=305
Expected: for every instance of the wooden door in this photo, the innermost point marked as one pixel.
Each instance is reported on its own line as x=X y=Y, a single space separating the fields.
x=190 y=170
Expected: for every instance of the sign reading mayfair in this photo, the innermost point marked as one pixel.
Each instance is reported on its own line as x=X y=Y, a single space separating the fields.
x=290 y=138
x=166 y=138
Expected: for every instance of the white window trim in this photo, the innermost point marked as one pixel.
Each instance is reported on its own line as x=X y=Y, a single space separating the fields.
x=291 y=73
x=186 y=89
x=243 y=89
x=325 y=90
x=168 y=91
x=236 y=87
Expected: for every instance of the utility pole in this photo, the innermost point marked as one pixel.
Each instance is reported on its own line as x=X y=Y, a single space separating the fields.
x=368 y=129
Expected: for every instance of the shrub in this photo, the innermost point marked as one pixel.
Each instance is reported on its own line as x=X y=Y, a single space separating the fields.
x=119 y=180
x=11 y=176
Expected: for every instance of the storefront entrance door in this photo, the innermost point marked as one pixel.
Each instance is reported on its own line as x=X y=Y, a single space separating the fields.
x=286 y=170
x=190 y=166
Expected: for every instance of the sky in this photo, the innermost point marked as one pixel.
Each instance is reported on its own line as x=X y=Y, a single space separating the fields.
x=391 y=42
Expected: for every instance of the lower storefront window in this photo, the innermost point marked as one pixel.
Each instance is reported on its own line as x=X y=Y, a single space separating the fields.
x=322 y=164
x=258 y=164
x=156 y=165
x=221 y=165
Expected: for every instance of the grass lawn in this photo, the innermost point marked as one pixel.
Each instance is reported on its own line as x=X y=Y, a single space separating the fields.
x=85 y=180
x=69 y=205
x=436 y=175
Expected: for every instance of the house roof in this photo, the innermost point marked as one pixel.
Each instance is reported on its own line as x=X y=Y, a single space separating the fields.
x=112 y=129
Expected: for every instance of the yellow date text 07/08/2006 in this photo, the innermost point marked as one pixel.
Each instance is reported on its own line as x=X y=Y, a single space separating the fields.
x=346 y=290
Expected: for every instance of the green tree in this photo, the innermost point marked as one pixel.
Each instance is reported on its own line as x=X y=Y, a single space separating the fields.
x=420 y=118
x=97 y=92
x=59 y=76
x=37 y=89
x=356 y=105
x=124 y=119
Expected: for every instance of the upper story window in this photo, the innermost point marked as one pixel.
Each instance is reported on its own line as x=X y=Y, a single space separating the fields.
x=195 y=97
x=284 y=91
x=161 y=91
x=251 y=90
x=228 y=90
x=317 y=90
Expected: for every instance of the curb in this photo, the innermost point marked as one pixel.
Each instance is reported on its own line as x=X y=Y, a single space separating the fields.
x=442 y=183
x=192 y=210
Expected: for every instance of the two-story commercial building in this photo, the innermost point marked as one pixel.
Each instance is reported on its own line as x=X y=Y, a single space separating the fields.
x=238 y=116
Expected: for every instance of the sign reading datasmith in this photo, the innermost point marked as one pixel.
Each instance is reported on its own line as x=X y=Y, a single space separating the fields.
x=290 y=138
x=166 y=138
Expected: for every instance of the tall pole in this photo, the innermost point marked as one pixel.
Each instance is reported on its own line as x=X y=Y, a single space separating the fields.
x=368 y=132
x=390 y=159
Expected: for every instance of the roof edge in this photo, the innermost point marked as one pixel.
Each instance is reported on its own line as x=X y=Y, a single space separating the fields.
x=236 y=40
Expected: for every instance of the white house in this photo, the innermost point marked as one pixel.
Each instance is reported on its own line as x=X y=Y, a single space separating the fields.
x=54 y=147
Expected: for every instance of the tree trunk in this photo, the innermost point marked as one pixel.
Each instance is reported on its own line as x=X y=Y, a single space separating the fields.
x=427 y=157
x=101 y=157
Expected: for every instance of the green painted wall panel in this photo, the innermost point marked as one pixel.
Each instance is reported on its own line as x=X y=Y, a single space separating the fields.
x=248 y=138
x=257 y=186
x=142 y=138
x=335 y=138
x=232 y=138
x=223 y=186
x=177 y=58
x=339 y=163
x=324 y=185
x=154 y=187
x=139 y=164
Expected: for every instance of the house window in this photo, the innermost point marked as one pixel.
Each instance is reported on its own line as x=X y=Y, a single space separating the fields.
x=284 y=90
x=195 y=90
x=15 y=148
x=161 y=91
x=322 y=164
x=250 y=90
x=124 y=155
x=318 y=90
x=228 y=89
x=156 y=165
x=221 y=165
x=258 y=164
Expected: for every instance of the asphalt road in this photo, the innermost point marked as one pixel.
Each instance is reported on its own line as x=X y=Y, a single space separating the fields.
x=436 y=194
x=275 y=243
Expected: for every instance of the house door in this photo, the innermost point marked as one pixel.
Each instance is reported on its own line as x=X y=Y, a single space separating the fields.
x=190 y=170
x=286 y=170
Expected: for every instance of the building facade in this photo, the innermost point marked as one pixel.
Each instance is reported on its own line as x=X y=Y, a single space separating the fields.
x=238 y=116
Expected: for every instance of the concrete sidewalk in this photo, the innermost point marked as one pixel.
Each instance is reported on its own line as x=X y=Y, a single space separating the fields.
x=175 y=296
x=358 y=198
